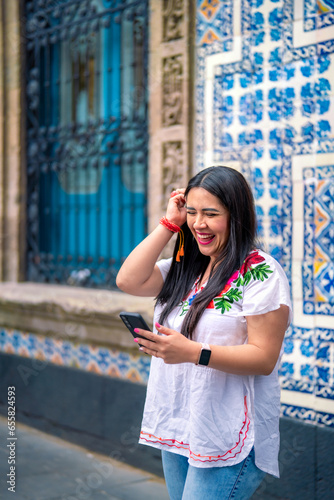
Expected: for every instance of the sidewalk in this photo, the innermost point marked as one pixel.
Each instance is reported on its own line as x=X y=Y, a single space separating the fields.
x=48 y=468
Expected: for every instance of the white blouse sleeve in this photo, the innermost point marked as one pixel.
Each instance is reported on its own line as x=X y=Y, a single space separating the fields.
x=164 y=266
x=266 y=288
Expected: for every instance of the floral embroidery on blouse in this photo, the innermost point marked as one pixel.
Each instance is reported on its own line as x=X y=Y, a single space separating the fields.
x=253 y=267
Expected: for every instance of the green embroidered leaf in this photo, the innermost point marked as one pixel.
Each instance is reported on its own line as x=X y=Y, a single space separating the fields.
x=247 y=278
x=261 y=272
x=239 y=281
x=185 y=308
x=234 y=294
x=225 y=302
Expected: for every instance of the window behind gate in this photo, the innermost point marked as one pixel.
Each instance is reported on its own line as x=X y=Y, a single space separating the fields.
x=86 y=137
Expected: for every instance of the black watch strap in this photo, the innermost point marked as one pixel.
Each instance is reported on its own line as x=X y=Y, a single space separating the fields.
x=205 y=354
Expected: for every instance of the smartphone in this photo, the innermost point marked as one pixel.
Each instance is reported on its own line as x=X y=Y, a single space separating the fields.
x=132 y=321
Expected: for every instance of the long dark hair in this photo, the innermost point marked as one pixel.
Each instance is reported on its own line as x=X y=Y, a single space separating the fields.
x=233 y=191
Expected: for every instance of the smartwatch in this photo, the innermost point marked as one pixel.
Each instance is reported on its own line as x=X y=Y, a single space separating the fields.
x=204 y=356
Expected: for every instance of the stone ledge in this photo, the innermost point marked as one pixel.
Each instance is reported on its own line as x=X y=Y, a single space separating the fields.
x=72 y=313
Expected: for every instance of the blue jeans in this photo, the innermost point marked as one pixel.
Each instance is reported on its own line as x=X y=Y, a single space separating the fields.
x=185 y=482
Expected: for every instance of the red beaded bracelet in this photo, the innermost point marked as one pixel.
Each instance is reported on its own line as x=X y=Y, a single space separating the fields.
x=174 y=228
x=170 y=225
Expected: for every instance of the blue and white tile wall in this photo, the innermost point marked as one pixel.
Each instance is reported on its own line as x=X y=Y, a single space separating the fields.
x=265 y=105
x=97 y=359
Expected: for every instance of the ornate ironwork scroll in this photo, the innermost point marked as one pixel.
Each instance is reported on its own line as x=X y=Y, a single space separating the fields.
x=87 y=137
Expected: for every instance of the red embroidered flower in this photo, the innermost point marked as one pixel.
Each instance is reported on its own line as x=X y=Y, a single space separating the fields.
x=233 y=277
x=253 y=258
x=225 y=289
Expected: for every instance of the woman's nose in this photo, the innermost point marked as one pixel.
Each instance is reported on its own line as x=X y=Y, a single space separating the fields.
x=199 y=222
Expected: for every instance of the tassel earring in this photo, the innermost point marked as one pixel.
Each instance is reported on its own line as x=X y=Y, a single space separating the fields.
x=175 y=229
x=180 y=252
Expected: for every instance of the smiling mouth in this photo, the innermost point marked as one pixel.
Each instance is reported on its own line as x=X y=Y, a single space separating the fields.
x=205 y=239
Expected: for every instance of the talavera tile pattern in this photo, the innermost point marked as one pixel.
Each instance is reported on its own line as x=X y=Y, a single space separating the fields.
x=100 y=360
x=265 y=105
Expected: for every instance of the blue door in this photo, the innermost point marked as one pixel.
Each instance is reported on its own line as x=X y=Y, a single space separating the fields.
x=87 y=139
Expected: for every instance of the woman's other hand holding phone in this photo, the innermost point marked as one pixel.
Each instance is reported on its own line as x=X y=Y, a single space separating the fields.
x=172 y=346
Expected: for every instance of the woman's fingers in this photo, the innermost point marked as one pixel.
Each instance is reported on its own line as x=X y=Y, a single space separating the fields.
x=172 y=347
x=151 y=352
x=177 y=191
x=176 y=211
x=146 y=334
x=147 y=340
x=178 y=198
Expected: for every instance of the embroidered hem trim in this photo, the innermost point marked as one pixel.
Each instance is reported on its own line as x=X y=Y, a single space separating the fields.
x=150 y=438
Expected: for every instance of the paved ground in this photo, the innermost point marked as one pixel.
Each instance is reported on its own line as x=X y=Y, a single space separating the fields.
x=48 y=468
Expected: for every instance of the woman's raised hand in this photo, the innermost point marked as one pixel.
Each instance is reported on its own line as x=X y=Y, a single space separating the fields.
x=176 y=210
x=139 y=274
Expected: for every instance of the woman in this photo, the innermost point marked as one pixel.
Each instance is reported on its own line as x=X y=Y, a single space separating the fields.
x=223 y=306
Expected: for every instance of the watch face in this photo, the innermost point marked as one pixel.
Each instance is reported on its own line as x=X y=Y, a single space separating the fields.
x=205 y=357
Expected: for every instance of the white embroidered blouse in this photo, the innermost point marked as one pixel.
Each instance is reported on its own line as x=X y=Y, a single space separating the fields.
x=212 y=417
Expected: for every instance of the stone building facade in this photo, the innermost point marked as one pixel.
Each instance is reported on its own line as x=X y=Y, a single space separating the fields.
x=248 y=84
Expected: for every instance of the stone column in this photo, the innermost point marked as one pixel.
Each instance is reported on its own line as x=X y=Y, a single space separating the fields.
x=12 y=144
x=170 y=90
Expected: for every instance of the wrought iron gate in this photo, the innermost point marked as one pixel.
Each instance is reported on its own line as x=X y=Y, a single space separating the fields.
x=86 y=137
